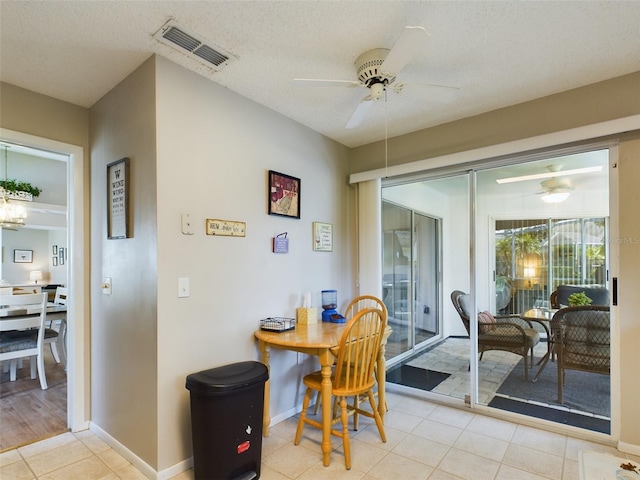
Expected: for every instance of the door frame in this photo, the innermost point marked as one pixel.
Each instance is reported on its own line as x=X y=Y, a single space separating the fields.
x=78 y=310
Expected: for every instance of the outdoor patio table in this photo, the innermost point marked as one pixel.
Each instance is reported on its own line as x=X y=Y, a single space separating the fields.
x=542 y=316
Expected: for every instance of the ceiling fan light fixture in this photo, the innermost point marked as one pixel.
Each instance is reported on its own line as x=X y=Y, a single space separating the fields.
x=555 y=197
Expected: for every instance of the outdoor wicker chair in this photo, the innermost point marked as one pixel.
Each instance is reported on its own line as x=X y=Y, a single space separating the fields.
x=507 y=333
x=582 y=340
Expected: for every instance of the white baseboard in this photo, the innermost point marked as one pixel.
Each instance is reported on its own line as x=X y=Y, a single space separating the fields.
x=136 y=461
x=174 y=470
x=283 y=416
x=629 y=448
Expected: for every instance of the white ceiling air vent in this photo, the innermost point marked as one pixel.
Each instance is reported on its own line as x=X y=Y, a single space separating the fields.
x=193 y=45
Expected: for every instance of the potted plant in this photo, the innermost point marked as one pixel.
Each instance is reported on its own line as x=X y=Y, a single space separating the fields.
x=14 y=187
x=577 y=299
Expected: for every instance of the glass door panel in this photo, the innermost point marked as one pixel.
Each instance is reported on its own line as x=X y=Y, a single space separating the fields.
x=428 y=223
x=533 y=247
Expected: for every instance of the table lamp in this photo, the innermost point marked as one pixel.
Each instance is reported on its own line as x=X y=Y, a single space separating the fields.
x=35 y=275
x=529 y=273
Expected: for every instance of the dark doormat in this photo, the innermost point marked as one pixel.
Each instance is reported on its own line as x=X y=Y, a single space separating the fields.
x=583 y=391
x=552 y=414
x=416 y=377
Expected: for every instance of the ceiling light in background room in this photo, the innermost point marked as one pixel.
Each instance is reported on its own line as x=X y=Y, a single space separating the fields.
x=12 y=212
x=555 y=190
x=555 y=197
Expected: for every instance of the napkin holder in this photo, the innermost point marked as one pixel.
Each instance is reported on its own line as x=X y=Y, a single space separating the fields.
x=306 y=315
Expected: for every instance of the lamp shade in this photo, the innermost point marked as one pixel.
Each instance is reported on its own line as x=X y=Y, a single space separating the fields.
x=35 y=275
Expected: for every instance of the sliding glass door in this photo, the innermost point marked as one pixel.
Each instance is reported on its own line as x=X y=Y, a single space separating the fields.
x=410 y=279
x=509 y=235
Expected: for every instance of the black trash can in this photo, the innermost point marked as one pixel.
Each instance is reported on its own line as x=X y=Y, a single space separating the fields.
x=227 y=404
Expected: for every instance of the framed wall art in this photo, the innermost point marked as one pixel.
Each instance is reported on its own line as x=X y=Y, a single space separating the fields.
x=23 y=256
x=284 y=195
x=118 y=199
x=322 y=237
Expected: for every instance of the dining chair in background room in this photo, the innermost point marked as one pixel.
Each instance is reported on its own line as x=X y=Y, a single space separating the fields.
x=582 y=341
x=60 y=326
x=508 y=333
x=353 y=375
x=23 y=335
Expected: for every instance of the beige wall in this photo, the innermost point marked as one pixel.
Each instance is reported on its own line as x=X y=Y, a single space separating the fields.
x=215 y=149
x=628 y=288
x=124 y=368
x=601 y=102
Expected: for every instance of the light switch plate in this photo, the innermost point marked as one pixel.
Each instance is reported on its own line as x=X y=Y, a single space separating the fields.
x=186 y=224
x=106 y=285
x=183 y=287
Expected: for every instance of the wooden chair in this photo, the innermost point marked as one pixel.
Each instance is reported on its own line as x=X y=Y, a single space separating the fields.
x=357 y=304
x=353 y=375
x=582 y=341
x=360 y=303
x=23 y=334
x=509 y=333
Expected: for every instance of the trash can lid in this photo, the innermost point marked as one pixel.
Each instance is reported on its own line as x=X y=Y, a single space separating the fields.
x=221 y=380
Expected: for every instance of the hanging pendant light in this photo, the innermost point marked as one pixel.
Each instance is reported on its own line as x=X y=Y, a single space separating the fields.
x=12 y=213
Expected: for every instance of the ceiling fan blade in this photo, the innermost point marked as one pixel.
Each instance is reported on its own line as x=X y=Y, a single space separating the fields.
x=411 y=41
x=360 y=113
x=434 y=93
x=318 y=82
x=557 y=173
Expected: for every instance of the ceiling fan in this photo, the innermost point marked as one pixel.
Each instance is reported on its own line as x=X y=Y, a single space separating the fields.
x=555 y=190
x=377 y=69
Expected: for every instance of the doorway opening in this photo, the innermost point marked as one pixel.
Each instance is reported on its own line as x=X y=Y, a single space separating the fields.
x=74 y=263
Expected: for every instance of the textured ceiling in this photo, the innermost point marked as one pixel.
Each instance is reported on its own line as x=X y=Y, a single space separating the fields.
x=497 y=53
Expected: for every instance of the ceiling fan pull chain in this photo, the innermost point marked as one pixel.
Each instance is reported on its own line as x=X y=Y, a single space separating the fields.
x=386 y=151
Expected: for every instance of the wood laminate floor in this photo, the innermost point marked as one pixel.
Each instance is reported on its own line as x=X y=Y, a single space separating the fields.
x=28 y=413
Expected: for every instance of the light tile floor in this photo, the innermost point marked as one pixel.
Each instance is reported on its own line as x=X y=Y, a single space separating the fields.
x=424 y=441
x=452 y=356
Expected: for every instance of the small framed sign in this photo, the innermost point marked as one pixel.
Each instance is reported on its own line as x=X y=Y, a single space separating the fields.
x=322 y=237
x=117 y=199
x=226 y=228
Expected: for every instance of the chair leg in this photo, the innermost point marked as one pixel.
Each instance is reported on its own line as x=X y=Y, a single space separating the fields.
x=346 y=444
x=526 y=368
x=41 y=374
x=54 y=352
x=303 y=415
x=377 y=417
x=356 y=406
x=13 y=365
x=33 y=360
x=317 y=407
x=560 y=383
